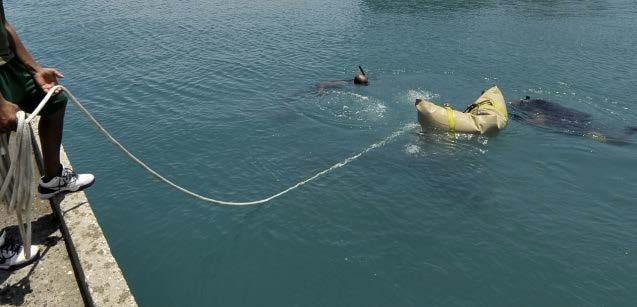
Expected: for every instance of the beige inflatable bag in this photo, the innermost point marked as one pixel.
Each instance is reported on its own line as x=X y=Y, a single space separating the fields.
x=487 y=114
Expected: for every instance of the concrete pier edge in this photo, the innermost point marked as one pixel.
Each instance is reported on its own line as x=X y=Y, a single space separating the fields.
x=99 y=278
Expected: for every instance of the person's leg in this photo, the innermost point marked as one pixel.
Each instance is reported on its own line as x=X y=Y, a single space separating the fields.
x=27 y=95
x=21 y=89
x=50 y=129
x=57 y=179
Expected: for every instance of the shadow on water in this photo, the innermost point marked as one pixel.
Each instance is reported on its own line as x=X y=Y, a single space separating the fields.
x=541 y=7
x=563 y=7
x=556 y=118
x=418 y=6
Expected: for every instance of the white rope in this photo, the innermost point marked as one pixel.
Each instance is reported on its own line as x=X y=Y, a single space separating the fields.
x=16 y=177
x=193 y=194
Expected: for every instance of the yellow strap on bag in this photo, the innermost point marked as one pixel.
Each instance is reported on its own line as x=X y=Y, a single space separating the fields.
x=452 y=120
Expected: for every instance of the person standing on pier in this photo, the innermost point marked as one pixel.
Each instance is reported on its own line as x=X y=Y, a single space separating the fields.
x=23 y=84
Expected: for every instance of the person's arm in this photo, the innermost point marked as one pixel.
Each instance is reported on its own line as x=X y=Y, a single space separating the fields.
x=8 y=118
x=20 y=50
x=46 y=78
x=8 y=110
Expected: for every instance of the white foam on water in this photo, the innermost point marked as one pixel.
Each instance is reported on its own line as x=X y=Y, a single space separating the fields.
x=354 y=106
x=412 y=149
x=359 y=96
x=412 y=95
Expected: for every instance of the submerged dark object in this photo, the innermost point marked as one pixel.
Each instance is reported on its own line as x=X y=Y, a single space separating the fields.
x=557 y=118
x=359 y=79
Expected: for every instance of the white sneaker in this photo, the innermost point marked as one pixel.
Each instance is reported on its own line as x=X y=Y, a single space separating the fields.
x=12 y=255
x=69 y=181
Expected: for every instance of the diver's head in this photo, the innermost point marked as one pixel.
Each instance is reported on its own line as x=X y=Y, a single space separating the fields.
x=361 y=79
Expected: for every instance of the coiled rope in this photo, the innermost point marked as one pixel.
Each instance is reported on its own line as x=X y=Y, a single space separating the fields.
x=22 y=134
x=16 y=177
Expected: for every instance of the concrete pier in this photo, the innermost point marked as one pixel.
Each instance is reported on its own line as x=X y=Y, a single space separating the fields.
x=51 y=280
x=76 y=266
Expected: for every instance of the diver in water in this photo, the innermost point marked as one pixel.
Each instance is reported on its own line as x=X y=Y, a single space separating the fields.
x=557 y=118
x=359 y=79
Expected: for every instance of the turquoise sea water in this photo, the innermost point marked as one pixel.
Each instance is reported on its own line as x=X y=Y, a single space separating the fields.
x=219 y=95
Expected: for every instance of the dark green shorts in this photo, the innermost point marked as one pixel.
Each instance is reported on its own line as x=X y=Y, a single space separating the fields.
x=17 y=86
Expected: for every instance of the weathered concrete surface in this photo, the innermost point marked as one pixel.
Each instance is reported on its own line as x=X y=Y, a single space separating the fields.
x=50 y=281
x=95 y=266
x=76 y=266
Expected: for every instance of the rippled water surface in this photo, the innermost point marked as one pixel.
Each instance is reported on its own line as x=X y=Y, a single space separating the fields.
x=220 y=96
